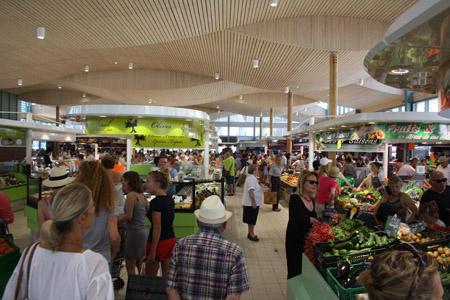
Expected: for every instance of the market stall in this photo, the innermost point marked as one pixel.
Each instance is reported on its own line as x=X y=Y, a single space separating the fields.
x=125 y=128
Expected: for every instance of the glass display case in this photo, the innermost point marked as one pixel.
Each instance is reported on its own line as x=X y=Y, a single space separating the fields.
x=190 y=193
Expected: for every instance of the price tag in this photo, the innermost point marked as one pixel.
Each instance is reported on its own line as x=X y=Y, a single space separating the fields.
x=392 y=225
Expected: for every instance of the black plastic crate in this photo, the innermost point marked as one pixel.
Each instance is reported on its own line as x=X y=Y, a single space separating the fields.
x=145 y=288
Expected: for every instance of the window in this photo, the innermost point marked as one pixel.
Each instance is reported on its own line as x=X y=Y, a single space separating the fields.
x=221 y=131
x=419 y=106
x=433 y=105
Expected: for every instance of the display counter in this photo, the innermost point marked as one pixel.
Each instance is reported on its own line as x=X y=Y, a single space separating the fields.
x=310 y=285
x=288 y=186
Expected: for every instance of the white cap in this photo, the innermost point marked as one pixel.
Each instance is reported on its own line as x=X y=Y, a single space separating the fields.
x=325 y=161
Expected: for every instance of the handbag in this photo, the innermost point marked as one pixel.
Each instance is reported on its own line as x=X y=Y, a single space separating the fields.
x=26 y=256
x=270 y=197
x=5 y=233
x=144 y=287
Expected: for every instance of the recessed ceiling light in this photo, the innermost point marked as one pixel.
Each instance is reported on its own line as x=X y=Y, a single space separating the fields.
x=255 y=63
x=87 y=68
x=130 y=66
x=115 y=62
x=331 y=128
x=216 y=76
x=273 y=3
x=40 y=33
x=240 y=97
x=83 y=95
x=286 y=89
x=59 y=87
x=150 y=101
x=19 y=82
x=343 y=126
x=399 y=71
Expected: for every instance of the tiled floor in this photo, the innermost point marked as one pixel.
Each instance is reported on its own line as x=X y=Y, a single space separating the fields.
x=266 y=259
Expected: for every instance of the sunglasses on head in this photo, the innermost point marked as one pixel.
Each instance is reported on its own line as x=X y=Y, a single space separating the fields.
x=312 y=181
x=440 y=180
x=421 y=258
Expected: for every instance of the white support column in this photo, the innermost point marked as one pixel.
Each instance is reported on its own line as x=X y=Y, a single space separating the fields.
x=29 y=145
x=206 y=152
x=311 y=146
x=129 y=150
x=311 y=151
x=385 y=159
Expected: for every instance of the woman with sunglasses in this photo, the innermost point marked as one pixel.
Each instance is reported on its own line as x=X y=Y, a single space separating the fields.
x=302 y=215
x=403 y=274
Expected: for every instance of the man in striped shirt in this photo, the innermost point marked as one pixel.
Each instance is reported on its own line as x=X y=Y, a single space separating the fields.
x=205 y=265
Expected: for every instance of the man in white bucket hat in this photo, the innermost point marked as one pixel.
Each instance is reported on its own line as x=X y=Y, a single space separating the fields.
x=205 y=265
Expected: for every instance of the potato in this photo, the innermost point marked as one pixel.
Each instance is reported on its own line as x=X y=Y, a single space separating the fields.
x=419 y=235
x=447 y=251
x=441 y=250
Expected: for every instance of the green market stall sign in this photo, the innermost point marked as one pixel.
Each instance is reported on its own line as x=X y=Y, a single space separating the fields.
x=12 y=137
x=376 y=134
x=151 y=132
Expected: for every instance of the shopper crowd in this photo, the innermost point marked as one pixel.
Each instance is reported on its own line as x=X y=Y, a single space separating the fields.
x=86 y=220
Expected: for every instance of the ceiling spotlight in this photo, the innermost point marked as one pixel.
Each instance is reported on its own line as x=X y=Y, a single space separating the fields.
x=115 y=62
x=361 y=82
x=260 y=114
x=87 y=68
x=83 y=95
x=102 y=116
x=287 y=89
x=241 y=97
x=130 y=66
x=372 y=123
x=218 y=107
x=273 y=3
x=59 y=87
x=19 y=82
x=399 y=71
x=255 y=63
x=40 y=33
x=150 y=101
x=216 y=76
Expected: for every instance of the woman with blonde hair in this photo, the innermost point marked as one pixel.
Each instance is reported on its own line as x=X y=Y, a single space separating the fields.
x=104 y=236
x=59 y=259
x=302 y=215
x=403 y=274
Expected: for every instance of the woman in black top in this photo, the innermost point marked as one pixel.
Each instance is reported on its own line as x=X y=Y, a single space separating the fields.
x=301 y=217
x=161 y=239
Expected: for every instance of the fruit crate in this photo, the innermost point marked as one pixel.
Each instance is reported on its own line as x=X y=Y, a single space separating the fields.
x=324 y=262
x=340 y=291
x=8 y=263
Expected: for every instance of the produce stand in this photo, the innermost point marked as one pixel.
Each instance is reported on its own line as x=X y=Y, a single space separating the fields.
x=289 y=183
x=376 y=132
x=310 y=285
x=9 y=257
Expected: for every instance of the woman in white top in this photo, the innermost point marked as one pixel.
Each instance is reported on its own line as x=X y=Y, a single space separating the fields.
x=251 y=201
x=60 y=267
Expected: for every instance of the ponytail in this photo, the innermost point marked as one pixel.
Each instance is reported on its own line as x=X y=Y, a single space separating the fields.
x=49 y=235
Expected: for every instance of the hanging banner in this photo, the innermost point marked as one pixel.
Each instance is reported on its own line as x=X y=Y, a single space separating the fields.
x=414 y=131
x=151 y=132
x=12 y=137
x=376 y=134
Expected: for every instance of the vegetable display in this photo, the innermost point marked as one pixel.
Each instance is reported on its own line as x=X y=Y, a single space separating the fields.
x=360 y=243
x=346 y=228
x=319 y=233
x=5 y=248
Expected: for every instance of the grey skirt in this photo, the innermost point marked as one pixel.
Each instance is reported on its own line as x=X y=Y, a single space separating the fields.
x=135 y=243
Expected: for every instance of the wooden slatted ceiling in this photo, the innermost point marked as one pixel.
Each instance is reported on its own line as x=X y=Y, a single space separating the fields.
x=196 y=36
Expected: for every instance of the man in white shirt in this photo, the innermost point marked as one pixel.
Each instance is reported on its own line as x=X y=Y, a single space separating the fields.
x=408 y=171
x=444 y=168
x=251 y=200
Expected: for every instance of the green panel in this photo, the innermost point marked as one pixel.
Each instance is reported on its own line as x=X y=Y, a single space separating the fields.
x=309 y=285
x=32 y=218
x=33 y=186
x=142 y=169
x=16 y=193
x=184 y=224
x=151 y=132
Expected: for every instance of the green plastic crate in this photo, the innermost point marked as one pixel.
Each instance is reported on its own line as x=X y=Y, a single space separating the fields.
x=339 y=290
x=8 y=263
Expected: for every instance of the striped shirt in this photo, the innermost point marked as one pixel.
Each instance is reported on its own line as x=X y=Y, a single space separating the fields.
x=206 y=266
